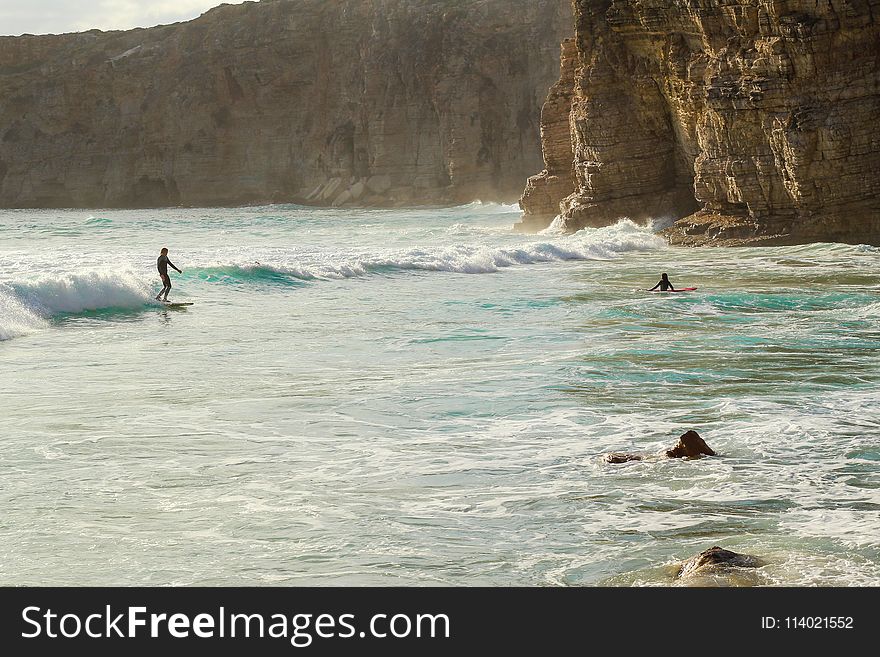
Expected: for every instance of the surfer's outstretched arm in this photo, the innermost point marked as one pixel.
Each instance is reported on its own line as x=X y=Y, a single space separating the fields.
x=174 y=267
x=654 y=288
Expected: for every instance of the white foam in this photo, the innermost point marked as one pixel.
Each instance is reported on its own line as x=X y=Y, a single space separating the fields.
x=556 y=227
x=660 y=223
x=492 y=207
x=470 y=258
x=25 y=306
x=27 y=302
x=871 y=311
x=704 y=308
x=468 y=230
x=15 y=318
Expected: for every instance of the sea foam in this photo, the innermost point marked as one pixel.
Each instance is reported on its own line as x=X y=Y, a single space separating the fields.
x=15 y=317
x=464 y=258
x=27 y=305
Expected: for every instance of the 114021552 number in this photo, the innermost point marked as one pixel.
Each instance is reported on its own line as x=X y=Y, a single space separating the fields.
x=819 y=622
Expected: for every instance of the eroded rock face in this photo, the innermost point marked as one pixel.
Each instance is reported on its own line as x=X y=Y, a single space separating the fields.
x=540 y=200
x=716 y=560
x=748 y=121
x=386 y=102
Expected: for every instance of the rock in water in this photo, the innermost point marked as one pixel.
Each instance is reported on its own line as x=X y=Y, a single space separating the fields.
x=716 y=560
x=690 y=445
x=746 y=121
x=620 y=457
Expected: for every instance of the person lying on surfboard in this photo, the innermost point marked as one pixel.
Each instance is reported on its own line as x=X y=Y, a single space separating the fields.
x=664 y=285
x=162 y=265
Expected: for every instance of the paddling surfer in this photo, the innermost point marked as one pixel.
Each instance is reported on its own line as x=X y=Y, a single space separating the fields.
x=664 y=284
x=162 y=265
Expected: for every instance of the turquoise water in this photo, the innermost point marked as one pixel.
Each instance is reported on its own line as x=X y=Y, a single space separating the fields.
x=423 y=397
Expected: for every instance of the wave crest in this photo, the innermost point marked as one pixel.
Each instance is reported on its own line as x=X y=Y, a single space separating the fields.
x=26 y=306
x=588 y=244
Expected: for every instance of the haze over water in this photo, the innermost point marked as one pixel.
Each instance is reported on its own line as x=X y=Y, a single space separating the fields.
x=423 y=397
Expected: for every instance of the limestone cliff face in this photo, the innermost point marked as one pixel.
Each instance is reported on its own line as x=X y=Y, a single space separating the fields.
x=373 y=102
x=747 y=121
x=540 y=200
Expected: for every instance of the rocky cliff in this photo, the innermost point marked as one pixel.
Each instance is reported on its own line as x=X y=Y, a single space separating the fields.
x=540 y=200
x=374 y=102
x=746 y=121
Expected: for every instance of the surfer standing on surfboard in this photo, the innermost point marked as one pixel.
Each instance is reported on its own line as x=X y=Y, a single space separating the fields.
x=162 y=265
x=664 y=284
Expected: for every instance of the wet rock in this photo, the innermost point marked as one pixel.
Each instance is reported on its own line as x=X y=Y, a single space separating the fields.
x=620 y=457
x=690 y=445
x=717 y=560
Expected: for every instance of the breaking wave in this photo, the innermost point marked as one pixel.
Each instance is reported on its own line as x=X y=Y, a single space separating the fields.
x=16 y=318
x=26 y=306
x=589 y=244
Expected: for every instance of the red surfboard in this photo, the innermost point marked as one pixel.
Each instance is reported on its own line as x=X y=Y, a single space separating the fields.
x=681 y=289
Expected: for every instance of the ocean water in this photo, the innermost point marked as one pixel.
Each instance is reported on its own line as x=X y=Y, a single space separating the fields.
x=422 y=397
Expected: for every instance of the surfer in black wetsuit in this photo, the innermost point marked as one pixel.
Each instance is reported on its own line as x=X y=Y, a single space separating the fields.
x=162 y=265
x=664 y=284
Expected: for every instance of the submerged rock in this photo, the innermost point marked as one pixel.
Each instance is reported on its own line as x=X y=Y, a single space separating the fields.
x=717 y=560
x=620 y=457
